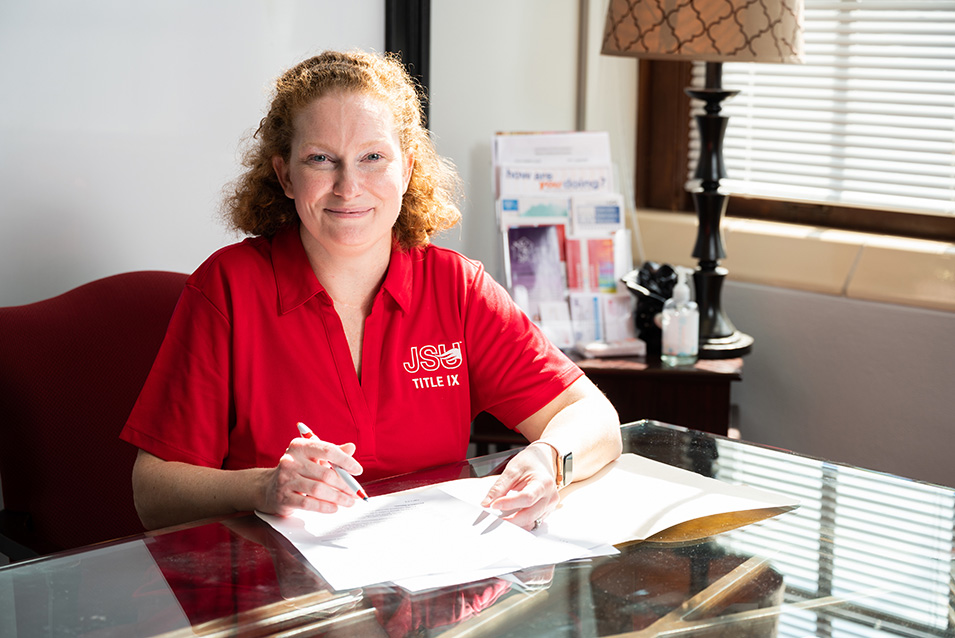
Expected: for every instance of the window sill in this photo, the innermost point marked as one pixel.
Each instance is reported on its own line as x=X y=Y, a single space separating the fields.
x=854 y=265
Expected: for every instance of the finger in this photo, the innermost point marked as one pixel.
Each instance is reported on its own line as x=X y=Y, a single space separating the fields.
x=512 y=479
x=291 y=502
x=527 y=506
x=320 y=477
x=328 y=505
x=515 y=500
x=324 y=452
x=528 y=519
x=519 y=493
x=308 y=478
x=503 y=485
x=531 y=517
x=353 y=467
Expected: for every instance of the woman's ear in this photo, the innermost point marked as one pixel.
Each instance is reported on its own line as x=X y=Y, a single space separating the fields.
x=408 y=169
x=280 y=166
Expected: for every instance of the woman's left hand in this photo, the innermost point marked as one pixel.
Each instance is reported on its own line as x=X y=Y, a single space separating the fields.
x=526 y=492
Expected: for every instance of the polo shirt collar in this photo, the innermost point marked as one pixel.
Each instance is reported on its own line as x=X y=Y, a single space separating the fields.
x=294 y=279
x=399 y=278
x=296 y=282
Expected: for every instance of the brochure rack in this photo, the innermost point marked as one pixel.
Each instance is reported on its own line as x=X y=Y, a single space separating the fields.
x=565 y=243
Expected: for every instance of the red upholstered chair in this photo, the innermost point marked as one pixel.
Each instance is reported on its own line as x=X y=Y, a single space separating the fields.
x=71 y=368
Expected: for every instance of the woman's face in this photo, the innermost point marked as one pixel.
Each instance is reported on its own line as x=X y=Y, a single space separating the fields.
x=346 y=173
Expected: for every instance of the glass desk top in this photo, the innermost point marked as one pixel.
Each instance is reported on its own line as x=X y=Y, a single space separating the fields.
x=865 y=554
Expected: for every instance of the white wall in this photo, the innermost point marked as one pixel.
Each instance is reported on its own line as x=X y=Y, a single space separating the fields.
x=120 y=123
x=496 y=66
x=505 y=66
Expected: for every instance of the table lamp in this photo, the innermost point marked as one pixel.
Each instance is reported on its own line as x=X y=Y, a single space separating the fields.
x=710 y=31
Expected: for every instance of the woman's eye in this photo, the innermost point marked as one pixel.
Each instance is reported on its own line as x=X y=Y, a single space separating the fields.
x=318 y=158
x=374 y=157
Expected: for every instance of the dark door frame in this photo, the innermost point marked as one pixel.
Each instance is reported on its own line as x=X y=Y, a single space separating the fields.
x=408 y=34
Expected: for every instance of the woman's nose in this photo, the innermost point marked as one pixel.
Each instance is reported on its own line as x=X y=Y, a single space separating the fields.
x=347 y=182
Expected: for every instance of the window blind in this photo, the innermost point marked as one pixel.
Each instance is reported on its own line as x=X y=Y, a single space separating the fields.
x=906 y=572
x=868 y=120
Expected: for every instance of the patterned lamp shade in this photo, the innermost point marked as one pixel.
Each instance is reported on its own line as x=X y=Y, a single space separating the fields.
x=705 y=30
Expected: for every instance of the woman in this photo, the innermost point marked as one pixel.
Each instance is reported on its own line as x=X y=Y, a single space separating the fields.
x=338 y=312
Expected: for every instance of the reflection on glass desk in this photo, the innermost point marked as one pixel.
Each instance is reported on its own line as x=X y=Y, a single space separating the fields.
x=866 y=554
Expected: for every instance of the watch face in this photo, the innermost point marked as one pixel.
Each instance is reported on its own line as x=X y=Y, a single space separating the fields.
x=567 y=475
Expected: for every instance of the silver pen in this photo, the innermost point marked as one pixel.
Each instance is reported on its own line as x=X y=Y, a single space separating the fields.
x=345 y=476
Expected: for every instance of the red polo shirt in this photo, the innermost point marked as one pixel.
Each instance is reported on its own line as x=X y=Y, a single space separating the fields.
x=255 y=345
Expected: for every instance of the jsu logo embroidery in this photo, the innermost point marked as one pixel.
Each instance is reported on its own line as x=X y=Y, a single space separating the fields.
x=430 y=358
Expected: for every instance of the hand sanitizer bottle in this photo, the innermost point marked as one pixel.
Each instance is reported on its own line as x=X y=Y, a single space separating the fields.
x=681 y=326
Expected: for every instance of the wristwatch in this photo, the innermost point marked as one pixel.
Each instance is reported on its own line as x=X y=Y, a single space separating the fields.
x=565 y=464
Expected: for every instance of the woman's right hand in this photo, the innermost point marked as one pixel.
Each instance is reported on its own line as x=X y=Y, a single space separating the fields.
x=305 y=480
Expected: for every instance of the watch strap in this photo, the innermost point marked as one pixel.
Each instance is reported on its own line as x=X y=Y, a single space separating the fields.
x=565 y=464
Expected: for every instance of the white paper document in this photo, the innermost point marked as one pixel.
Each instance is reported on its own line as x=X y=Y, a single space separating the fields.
x=634 y=498
x=416 y=538
x=440 y=536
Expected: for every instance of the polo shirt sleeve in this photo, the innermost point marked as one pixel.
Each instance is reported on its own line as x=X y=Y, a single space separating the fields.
x=184 y=410
x=514 y=369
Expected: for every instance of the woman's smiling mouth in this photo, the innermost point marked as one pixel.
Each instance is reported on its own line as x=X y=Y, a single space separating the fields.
x=348 y=212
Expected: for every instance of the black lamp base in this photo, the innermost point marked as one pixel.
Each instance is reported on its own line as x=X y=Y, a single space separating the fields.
x=719 y=338
x=735 y=345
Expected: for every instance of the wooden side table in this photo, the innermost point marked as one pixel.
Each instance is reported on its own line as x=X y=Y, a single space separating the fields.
x=696 y=396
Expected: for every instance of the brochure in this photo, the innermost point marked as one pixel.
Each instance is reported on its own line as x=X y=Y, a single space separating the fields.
x=536 y=270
